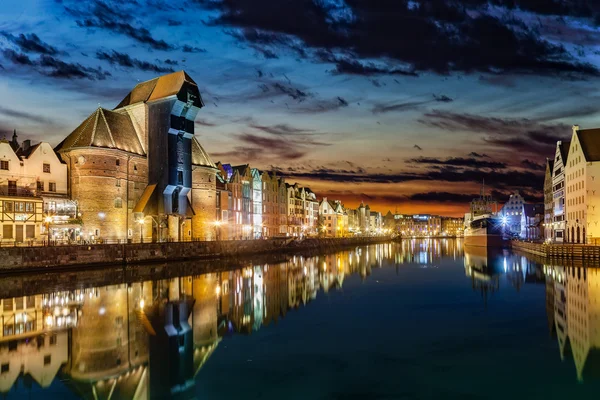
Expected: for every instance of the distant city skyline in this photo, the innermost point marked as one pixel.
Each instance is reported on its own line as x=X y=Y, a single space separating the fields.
x=323 y=92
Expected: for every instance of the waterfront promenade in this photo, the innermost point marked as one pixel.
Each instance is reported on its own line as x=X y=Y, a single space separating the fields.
x=29 y=259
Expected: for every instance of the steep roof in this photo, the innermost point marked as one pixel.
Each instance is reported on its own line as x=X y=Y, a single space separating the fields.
x=200 y=156
x=550 y=165
x=564 y=151
x=590 y=143
x=104 y=129
x=158 y=88
x=26 y=153
x=241 y=169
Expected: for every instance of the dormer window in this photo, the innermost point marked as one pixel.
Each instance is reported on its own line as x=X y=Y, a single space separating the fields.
x=46 y=168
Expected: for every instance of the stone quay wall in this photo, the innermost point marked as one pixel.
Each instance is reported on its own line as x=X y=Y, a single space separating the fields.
x=566 y=251
x=24 y=259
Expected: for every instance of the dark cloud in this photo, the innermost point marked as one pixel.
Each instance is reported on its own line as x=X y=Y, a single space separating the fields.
x=342 y=101
x=109 y=17
x=501 y=179
x=17 y=58
x=533 y=165
x=348 y=66
x=382 y=108
x=203 y=122
x=52 y=66
x=442 y=197
x=458 y=162
x=172 y=22
x=26 y=116
x=453 y=36
x=168 y=61
x=60 y=69
x=31 y=43
x=524 y=135
x=478 y=155
x=192 y=49
x=442 y=98
x=290 y=91
x=416 y=146
x=282 y=130
x=280 y=147
x=124 y=60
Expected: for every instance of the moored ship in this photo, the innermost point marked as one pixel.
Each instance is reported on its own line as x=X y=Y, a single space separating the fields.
x=483 y=225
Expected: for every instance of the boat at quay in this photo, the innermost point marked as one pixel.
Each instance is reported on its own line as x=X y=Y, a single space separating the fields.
x=484 y=227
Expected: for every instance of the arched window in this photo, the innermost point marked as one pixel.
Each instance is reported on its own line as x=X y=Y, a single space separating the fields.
x=118 y=202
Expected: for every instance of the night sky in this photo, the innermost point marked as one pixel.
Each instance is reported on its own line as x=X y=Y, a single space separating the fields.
x=406 y=104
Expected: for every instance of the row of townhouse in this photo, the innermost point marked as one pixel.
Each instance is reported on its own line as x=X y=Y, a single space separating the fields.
x=571 y=191
x=335 y=220
x=254 y=204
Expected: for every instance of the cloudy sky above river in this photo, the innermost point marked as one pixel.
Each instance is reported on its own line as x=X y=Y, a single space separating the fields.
x=401 y=104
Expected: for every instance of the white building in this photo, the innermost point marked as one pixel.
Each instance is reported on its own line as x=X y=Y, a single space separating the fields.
x=33 y=187
x=334 y=220
x=558 y=191
x=582 y=196
x=512 y=211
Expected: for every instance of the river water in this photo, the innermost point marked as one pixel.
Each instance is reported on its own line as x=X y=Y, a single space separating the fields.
x=421 y=319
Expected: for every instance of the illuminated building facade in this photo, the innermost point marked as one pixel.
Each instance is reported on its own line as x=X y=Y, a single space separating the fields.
x=511 y=213
x=582 y=189
x=138 y=171
x=548 y=225
x=33 y=194
x=559 y=213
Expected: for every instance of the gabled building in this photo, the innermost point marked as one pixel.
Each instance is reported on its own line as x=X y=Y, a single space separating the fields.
x=257 y=204
x=582 y=182
x=240 y=182
x=138 y=171
x=34 y=201
x=333 y=220
x=559 y=213
x=274 y=204
x=548 y=231
x=224 y=207
x=511 y=213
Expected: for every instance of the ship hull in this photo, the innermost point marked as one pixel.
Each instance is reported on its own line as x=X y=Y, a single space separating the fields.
x=481 y=238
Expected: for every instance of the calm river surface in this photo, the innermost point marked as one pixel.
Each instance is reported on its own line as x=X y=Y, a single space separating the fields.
x=424 y=319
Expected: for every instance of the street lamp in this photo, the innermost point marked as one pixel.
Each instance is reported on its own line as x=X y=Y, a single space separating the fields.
x=141 y=222
x=218 y=229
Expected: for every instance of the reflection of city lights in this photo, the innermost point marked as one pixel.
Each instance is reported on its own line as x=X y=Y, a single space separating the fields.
x=49 y=321
x=218 y=290
x=102 y=311
x=142 y=303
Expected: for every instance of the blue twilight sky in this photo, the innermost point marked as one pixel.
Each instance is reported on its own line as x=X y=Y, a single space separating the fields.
x=406 y=104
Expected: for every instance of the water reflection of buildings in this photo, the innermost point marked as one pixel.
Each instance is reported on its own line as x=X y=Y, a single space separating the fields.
x=577 y=316
x=428 y=251
x=149 y=339
x=484 y=266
